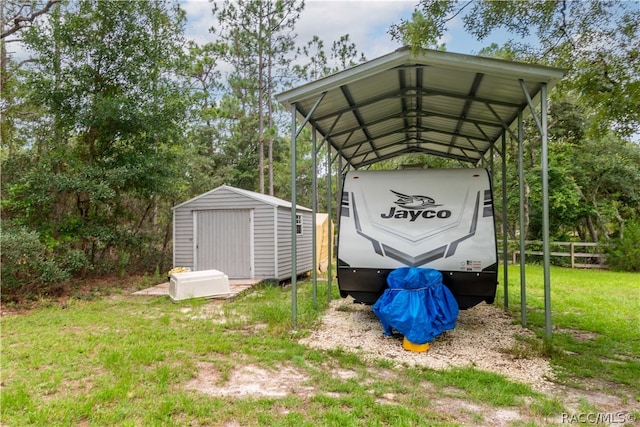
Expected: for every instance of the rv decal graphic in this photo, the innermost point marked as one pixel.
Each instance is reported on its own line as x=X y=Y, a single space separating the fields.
x=414 y=208
x=344 y=206
x=414 y=202
x=356 y=219
x=416 y=261
x=446 y=250
x=472 y=230
x=488 y=204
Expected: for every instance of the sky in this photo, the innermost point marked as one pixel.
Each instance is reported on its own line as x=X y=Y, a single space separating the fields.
x=366 y=22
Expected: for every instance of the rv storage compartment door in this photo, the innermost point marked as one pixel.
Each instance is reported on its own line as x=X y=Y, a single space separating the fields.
x=198 y=284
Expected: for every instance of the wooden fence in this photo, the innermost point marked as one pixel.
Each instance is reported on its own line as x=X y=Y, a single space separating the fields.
x=574 y=254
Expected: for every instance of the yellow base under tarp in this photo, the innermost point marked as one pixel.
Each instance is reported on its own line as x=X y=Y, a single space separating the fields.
x=418 y=348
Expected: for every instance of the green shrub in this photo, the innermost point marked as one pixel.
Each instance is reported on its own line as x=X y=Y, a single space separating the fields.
x=29 y=267
x=26 y=262
x=624 y=253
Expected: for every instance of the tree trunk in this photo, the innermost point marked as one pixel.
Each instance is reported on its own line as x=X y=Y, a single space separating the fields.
x=592 y=229
x=261 y=97
x=270 y=119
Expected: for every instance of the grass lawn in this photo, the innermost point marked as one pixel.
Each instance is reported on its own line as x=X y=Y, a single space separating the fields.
x=595 y=317
x=109 y=358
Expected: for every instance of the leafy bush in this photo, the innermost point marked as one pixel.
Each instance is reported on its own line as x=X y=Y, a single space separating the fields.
x=26 y=262
x=624 y=254
x=29 y=267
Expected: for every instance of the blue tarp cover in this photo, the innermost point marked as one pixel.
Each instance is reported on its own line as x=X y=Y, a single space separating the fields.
x=416 y=304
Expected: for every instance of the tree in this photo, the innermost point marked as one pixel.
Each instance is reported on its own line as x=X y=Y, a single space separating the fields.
x=596 y=41
x=346 y=53
x=15 y=16
x=343 y=54
x=201 y=69
x=19 y=14
x=104 y=77
x=607 y=174
x=317 y=65
x=259 y=38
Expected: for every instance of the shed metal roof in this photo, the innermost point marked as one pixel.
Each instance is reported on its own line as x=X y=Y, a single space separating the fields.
x=262 y=198
x=434 y=102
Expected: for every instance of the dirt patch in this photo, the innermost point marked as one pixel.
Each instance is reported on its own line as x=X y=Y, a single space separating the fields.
x=467 y=413
x=251 y=380
x=579 y=335
x=574 y=399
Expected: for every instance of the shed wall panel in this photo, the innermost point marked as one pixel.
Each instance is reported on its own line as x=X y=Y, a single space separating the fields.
x=264 y=257
x=183 y=238
x=304 y=244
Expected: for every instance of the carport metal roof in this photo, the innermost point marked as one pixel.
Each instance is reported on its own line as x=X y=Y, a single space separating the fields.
x=434 y=102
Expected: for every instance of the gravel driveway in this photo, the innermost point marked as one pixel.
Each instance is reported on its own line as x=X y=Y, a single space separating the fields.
x=484 y=337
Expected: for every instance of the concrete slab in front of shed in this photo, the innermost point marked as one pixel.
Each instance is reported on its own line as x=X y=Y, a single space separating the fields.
x=235 y=286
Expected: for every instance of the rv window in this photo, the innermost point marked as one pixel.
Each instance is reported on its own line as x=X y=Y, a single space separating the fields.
x=298 y=224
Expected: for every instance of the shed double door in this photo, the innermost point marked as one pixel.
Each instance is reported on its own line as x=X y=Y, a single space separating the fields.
x=224 y=241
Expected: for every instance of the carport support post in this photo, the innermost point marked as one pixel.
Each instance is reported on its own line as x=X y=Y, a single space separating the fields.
x=523 y=285
x=338 y=200
x=491 y=161
x=545 y=212
x=329 y=236
x=542 y=128
x=314 y=208
x=505 y=242
x=294 y=234
x=294 y=255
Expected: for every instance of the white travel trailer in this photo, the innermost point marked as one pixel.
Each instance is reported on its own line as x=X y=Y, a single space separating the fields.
x=435 y=218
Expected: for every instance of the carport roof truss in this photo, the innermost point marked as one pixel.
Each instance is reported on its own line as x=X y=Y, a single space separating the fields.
x=434 y=102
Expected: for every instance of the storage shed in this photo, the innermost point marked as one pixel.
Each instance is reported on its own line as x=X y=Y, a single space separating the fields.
x=244 y=234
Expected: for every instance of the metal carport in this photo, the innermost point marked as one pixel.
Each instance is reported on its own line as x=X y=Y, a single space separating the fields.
x=425 y=101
